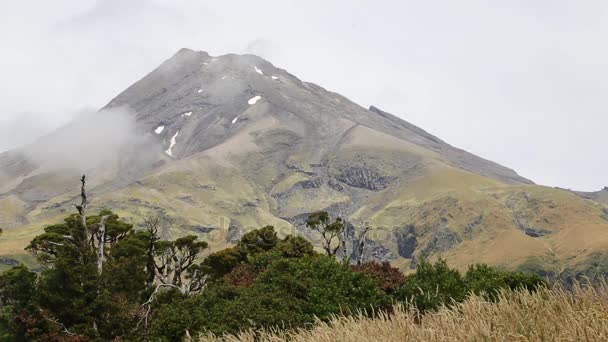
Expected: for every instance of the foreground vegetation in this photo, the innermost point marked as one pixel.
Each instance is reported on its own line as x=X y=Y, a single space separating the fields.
x=103 y=279
x=545 y=315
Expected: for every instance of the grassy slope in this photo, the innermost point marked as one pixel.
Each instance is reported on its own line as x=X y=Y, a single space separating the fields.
x=214 y=189
x=463 y=199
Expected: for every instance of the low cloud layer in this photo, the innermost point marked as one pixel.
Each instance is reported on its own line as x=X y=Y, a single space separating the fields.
x=99 y=142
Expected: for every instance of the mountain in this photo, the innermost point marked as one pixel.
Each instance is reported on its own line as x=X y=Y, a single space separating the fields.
x=598 y=196
x=231 y=143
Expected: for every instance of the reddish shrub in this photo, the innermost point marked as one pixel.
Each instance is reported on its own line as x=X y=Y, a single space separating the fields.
x=242 y=275
x=389 y=277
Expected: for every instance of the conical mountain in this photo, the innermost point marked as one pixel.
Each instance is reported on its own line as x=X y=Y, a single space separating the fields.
x=232 y=143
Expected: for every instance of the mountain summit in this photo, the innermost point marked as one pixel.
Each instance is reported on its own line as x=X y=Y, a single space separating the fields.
x=206 y=101
x=234 y=143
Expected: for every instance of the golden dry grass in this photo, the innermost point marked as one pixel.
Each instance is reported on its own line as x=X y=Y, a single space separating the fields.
x=548 y=315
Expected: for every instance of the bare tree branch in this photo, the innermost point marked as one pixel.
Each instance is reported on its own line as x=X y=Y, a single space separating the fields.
x=56 y=322
x=102 y=242
x=362 y=240
x=82 y=208
x=147 y=306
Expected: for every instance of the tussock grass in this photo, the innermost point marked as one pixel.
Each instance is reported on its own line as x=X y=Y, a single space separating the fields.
x=547 y=315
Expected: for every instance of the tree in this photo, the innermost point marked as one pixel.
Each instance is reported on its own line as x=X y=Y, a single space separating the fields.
x=175 y=265
x=97 y=272
x=330 y=231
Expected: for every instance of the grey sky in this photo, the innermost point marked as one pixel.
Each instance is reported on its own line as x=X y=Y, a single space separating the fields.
x=523 y=83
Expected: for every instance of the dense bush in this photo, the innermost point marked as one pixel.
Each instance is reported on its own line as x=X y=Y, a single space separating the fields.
x=157 y=290
x=434 y=285
x=291 y=292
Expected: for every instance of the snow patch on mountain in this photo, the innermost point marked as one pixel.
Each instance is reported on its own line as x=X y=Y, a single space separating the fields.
x=187 y=114
x=235 y=120
x=258 y=70
x=159 y=129
x=254 y=100
x=169 y=151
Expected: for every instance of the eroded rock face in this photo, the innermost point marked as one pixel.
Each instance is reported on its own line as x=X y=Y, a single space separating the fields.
x=443 y=239
x=9 y=261
x=536 y=232
x=234 y=232
x=473 y=226
x=373 y=251
x=364 y=178
x=202 y=229
x=407 y=241
x=605 y=214
x=334 y=184
x=531 y=231
x=311 y=184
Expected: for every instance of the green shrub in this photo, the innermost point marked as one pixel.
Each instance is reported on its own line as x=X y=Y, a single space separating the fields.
x=431 y=286
x=221 y=263
x=295 y=247
x=290 y=293
x=258 y=241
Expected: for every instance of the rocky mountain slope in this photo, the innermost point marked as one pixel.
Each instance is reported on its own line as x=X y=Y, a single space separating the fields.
x=233 y=143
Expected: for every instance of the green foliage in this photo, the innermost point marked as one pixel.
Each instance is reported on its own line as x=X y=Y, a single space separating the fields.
x=290 y=292
x=325 y=285
x=221 y=263
x=262 y=282
x=70 y=292
x=259 y=241
x=432 y=286
x=17 y=289
x=243 y=275
x=488 y=281
x=329 y=230
x=17 y=286
x=318 y=219
x=321 y=221
x=295 y=247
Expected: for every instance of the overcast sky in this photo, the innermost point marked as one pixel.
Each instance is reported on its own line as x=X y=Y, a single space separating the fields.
x=523 y=83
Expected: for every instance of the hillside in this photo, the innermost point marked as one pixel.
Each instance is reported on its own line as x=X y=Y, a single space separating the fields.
x=231 y=143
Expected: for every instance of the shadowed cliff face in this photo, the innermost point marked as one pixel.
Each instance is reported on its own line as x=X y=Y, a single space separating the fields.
x=230 y=143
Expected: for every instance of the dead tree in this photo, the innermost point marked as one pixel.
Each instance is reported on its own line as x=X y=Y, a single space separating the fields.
x=95 y=237
x=101 y=234
x=362 y=240
x=82 y=208
x=151 y=226
x=357 y=242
